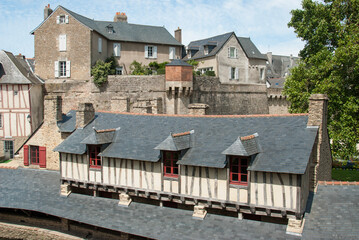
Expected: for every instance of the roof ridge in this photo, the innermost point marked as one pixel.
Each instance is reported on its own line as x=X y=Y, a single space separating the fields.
x=220 y=35
x=207 y=116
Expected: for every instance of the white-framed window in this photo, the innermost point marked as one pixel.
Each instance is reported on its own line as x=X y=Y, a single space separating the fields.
x=99 y=45
x=62 y=19
x=62 y=42
x=172 y=53
x=62 y=68
x=117 y=49
x=150 y=51
x=189 y=54
x=232 y=52
x=233 y=73
x=119 y=70
x=261 y=74
x=205 y=50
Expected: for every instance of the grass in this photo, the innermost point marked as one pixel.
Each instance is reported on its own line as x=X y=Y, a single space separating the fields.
x=345 y=175
x=5 y=161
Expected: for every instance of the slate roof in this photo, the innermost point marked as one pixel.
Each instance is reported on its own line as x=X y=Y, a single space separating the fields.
x=286 y=141
x=178 y=62
x=244 y=146
x=101 y=137
x=276 y=82
x=68 y=122
x=247 y=45
x=333 y=213
x=15 y=72
x=175 y=143
x=124 y=31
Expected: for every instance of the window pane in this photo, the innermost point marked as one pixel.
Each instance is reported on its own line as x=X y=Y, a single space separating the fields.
x=243 y=178
x=167 y=155
x=244 y=170
x=235 y=161
x=168 y=170
x=235 y=169
x=244 y=162
x=234 y=177
x=175 y=170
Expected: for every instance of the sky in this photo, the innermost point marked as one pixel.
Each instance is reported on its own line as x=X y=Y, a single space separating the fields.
x=264 y=21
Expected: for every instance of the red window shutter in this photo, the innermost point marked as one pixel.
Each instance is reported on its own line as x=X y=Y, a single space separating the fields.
x=42 y=157
x=26 y=155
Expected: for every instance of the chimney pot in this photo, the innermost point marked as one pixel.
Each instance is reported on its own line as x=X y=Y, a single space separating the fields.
x=47 y=11
x=120 y=17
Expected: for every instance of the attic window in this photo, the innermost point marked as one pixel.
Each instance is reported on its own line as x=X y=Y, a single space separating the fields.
x=238 y=173
x=205 y=50
x=110 y=29
x=170 y=166
x=62 y=19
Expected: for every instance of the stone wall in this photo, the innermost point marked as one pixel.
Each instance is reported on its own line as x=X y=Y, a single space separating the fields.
x=230 y=99
x=277 y=102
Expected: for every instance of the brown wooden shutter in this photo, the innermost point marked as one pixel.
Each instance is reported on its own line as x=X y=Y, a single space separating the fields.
x=42 y=157
x=26 y=155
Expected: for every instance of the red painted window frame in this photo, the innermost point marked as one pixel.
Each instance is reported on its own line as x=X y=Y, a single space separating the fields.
x=34 y=155
x=95 y=162
x=170 y=159
x=239 y=165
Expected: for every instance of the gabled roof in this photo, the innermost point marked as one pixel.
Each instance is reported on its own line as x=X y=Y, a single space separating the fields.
x=247 y=45
x=124 y=31
x=100 y=137
x=286 y=142
x=15 y=72
x=244 y=146
x=176 y=142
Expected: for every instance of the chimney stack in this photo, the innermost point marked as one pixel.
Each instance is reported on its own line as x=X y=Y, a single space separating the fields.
x=322 y=158
x=120 y=17
x=20 y=56
x=84 y=114
x=53 y=110
x=47 y=11
x=178 y=35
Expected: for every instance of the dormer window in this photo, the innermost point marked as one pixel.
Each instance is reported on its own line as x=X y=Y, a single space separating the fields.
x=170 y=166
x=205 y=50
x=95 y=159
x=110 y=29
x=238 y=173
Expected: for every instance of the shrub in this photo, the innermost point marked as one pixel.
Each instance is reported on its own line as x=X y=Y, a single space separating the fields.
x=210 y=73
x=100 y=72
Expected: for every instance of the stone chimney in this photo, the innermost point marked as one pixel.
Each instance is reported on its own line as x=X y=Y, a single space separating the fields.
x=85 y=114
x=321 y=156
x=20 y=56
x=178 y=35
x=47 y=11
x=120 y=17
x=53 y=109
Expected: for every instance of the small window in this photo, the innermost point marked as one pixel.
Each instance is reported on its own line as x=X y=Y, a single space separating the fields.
x=205 y=50
x=119 y=70
x=110 y=29
x=95 y=160
x=150 y=52
x=62 y=66
x=62 y=19
x=117 y=49
x=170 y=166
x=261 y=74
x=62 y=43
x=34 y=155
x=100 y=45
x=238 y=173
x=234 y=73
x=232 y=52
x=9 y=148
x=172 y=53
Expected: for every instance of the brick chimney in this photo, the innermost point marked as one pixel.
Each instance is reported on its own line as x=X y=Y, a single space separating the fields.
x=84 y=114
x=53 y=109
x=120 y=17
x=178 y=35
x=47 y=11
x=322 y=158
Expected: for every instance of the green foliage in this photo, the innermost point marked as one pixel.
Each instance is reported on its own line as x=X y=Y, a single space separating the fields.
x=113 y=61
x=158 y=67
x=193 y=62
x=152 y=68
x=345 y=175
x=100 y=72
x=210 y=73
x=330 y=65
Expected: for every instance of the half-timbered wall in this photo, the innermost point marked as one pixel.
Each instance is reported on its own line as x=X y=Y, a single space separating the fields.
x=272 y=190
x=14 y=109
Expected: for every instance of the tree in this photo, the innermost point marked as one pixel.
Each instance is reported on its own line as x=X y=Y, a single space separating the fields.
x=329 y=64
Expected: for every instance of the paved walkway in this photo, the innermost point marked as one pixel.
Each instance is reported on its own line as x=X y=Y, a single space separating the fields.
x=334 y=214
